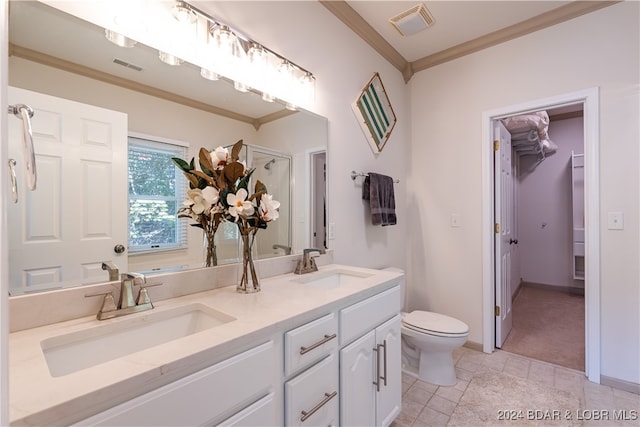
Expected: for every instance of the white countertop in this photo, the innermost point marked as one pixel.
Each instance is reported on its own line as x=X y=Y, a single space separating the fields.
x=37 y=398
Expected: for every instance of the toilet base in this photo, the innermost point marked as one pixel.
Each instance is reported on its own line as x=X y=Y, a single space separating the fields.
x=437 y=368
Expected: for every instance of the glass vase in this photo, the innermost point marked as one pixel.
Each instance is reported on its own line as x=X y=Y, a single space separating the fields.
x=248 y=278
x=210 y=257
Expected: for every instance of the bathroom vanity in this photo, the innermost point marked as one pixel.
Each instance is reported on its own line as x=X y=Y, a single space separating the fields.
x=318 y=348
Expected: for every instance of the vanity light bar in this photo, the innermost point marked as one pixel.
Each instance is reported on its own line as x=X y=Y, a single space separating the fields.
x=257 y=55
x=215 y=22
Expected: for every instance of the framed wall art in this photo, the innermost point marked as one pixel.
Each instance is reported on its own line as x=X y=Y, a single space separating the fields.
x=374 y=113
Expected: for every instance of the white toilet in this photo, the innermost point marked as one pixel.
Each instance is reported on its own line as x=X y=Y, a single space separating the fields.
x=428 y=340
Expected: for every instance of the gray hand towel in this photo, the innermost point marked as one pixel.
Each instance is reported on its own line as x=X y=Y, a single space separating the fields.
x=378 y=189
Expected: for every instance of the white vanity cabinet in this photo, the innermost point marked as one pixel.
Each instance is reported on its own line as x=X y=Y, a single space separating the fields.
x=242 y=384
x=370 y=366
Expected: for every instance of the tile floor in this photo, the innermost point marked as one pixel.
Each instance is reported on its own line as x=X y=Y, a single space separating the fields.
x=425 y=404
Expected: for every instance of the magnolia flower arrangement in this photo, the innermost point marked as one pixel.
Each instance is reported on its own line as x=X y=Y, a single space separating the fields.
x=219 y=192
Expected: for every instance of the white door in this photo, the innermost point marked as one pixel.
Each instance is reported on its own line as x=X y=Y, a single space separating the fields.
x=504 y=214
x=60 y=234
x=389 y=398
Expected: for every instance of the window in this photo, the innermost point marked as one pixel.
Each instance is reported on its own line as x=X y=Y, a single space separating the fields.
x=156 y=190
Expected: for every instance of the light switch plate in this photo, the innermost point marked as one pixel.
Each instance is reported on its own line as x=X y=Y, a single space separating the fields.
x=615 y=221
x=332 y=231
x=455 y=220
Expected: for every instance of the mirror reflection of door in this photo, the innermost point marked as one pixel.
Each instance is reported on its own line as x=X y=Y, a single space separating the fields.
x=81 y=163
x=318 y=199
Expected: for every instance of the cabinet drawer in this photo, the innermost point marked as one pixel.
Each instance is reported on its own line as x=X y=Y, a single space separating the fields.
x=200 y=397
x=578 y=249
x=261 y=413
x=366 y=315
x=311 y=398
x=309 y=343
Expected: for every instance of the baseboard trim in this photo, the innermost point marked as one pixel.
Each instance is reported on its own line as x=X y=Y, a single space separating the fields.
x=566 y=289
x=620 y=384
x=474 y=346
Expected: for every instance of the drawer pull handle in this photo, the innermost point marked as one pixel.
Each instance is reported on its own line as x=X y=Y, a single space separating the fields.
x=327 y=398
x=326 y=338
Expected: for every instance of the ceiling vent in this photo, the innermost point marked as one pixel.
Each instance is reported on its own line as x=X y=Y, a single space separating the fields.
x=413 y=21
x=126 y=64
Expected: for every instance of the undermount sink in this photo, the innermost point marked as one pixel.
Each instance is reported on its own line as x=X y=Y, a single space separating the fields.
x=332 y=278
x=116 y=338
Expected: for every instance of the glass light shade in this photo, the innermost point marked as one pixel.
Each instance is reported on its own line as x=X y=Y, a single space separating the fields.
x=118 y=39
x=267 y=97
x=240 y=87
x=209 y=75
x=169 y=59
x=183 y=14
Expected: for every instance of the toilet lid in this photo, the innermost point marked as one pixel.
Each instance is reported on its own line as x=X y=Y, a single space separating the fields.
x=434 y=322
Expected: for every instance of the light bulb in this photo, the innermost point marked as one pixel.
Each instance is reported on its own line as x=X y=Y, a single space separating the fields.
x=183 y=13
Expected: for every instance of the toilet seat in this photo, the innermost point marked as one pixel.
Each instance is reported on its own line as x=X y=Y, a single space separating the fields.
x=435 y=324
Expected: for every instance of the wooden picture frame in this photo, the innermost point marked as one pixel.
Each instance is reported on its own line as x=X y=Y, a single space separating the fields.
x=374 y=113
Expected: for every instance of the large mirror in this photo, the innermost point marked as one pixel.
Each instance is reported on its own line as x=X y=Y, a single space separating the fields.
x=57 y=58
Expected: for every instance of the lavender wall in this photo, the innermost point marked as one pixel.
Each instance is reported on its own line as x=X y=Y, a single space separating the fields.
x=544 y=209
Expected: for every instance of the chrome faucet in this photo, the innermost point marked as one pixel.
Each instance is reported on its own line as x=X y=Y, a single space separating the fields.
x=127 y=304
x=307 y=264
x=112 y=269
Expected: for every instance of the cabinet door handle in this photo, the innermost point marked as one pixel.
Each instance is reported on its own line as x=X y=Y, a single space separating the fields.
x=377 y=381
x=326 y=338
x=327 y=398
x=384 y=345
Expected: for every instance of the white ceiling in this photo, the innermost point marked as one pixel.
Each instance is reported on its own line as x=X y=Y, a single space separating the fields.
x=456 y=22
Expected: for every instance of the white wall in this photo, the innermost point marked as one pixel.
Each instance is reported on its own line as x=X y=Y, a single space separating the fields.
x=447 y=102
x=545 y=213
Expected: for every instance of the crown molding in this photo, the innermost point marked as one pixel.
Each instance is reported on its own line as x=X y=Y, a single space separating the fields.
x=72 y=67
x=358 y=25
x=539 y=22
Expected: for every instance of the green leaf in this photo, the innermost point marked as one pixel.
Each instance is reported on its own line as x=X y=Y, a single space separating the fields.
x=184 y=166
x=244 y=182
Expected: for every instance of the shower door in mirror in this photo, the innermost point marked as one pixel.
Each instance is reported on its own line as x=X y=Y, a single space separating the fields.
x=61 y=233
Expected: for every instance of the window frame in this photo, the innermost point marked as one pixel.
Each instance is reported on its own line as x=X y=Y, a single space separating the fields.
x=158 y=143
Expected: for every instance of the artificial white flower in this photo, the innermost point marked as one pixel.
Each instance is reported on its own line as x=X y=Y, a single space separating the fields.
x=199 y=201
x=238 y=204
x=211 y=195
x=219 y=157
x=269 y=208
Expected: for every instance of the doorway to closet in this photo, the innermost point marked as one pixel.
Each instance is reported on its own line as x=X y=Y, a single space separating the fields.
x=539 y=172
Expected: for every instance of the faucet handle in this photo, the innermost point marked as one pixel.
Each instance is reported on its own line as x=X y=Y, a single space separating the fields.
x=143 y=295
x=108 y=303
